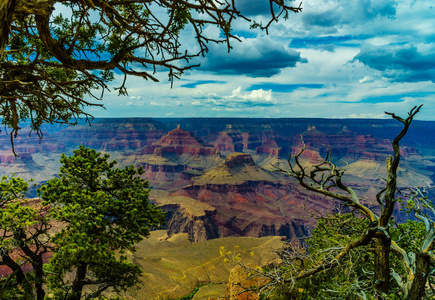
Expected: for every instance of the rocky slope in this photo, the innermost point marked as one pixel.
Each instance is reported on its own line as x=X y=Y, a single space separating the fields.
x=249 y=200
x=228 y=141
x=187 y=215
x=111 y=135
x=187 y=161
x=174 y=157
x=175 y=266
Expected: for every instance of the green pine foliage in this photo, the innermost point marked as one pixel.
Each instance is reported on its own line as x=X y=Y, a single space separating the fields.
x=353 y=278
x=92 y=214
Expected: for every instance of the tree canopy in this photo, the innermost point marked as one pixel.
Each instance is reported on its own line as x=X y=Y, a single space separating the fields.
x=54 y=53
x=91 y=214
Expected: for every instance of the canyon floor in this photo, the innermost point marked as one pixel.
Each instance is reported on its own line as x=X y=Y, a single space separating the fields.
x=174 y=266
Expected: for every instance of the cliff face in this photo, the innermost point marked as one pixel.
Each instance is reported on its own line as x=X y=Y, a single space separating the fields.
x=178 y=151
x=270 y=148
x=249 y=200
x=236 y=170
x=114 y=134
x=39 y=159
x=7 y=158
x=244 y=198
x=199 y=228
x=229 y=140
x=187 y=215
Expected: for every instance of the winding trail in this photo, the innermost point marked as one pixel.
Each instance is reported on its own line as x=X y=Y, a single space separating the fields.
x=176 y=280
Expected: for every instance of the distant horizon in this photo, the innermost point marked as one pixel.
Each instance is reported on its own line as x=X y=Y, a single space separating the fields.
x=266 y=118
x=82 y=121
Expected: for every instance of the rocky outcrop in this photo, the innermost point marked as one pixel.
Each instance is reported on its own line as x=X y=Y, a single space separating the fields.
x=249 y=200
x=180 y=141
x=269 y=147
x=8 y=158
x=187 y=215
x=177 y=152
x=293 y=229
x=229 y=140
x=238 y=169
x=114 y=134
x=199 y=228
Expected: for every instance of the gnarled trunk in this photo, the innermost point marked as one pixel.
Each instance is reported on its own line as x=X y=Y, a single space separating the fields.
x=7 y=8
x=382 y=264
x=418 y=287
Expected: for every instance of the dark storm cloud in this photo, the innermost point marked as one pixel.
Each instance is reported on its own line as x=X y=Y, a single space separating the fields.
x=349 y=12
x=254 y=8
x=325 y=19
x=284 y=88
x=401 y=64
x=344 y=40
x=254 y=58
x=327 y=43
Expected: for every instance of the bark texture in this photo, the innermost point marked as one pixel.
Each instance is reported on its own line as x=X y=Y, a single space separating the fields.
x=382 y=264
x=7 y=9
x=422 y=268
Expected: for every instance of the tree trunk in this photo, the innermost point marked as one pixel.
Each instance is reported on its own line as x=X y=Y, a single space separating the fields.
x=418 y=287
x=39 y=277
x=77 y=287
x=7 y=260
x=7 y=8
x=382 y=265
x=35 y=259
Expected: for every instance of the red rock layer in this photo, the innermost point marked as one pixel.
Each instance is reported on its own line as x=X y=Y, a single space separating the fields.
x=348 y=144
x=114 y=134
x=251 y=201
x=7 y=158
x=229 y=140
x=174 y=154
x=179 y=142
x=269 y=147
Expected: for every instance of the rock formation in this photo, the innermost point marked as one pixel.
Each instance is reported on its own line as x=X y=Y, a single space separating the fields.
x=249 y=200
x=244 y=198
x=229 y=140
x=187 y=215
x=177 y=152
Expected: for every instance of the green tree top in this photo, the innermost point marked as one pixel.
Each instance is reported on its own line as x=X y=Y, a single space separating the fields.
x=104 y=209
x=91 y=215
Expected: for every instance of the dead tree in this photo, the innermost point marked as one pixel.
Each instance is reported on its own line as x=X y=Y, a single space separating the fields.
x=326 y=178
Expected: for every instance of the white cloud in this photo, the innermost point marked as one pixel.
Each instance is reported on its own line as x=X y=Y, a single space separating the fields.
x=238 y=99
x=136 y=98
x=366 y=79
x=368 y=116
x=254 y=96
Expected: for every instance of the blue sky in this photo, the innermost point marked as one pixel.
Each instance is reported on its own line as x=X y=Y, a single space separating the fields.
x=336 y=59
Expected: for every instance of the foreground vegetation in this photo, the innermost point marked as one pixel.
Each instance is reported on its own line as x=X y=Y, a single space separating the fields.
x=91 y=214
x=363 y=254
x=93 y=210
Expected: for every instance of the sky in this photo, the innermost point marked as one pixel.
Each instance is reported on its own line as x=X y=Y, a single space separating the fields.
x=336 y=59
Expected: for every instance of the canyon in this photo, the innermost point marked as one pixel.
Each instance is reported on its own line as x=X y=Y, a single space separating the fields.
x=216 y=177
x=217 y=181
